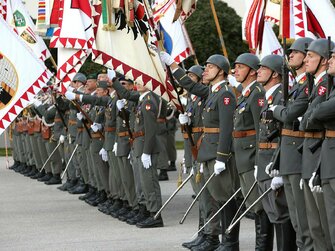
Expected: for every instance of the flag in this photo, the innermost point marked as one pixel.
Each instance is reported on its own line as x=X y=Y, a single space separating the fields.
x=184 y=9
x=270 y=43
x=18 y=17
x=272 y=12
x=174 y=35
x=253 y=22
x=131 y=51
x=22 y=75
x=47 y=16
x=73 y=37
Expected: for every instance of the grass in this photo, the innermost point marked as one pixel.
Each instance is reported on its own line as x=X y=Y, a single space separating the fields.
x=180 y=145
x=3 y=152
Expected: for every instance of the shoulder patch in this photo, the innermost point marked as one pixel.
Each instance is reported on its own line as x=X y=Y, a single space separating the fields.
x=260 y=102
x=259 y=89
x=306 y=90
x=226 y=101
x=321 y=90
x=147 y=107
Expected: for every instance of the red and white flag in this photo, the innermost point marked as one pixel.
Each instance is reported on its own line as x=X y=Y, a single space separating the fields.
x=22 y=75
x=270 y=43
x=17 y=16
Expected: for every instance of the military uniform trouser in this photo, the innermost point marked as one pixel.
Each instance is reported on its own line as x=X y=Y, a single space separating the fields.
x=317 y=219
x=221 y=187
x=127 y=179
x=247 y=179
x=68 y=150
x=297 y=210
x=42 y=147
x=90 y=167
x=150 y=185
x=29 y=150
x=207 y=205
x=171 y=146
x=56 y=159
x=21 y=148
x=100 y=166
x=14 y=145
x=163 y=161
x=116 y=188
x=82 y=162
x=328 y=187
x=37 y=154
x=137 y=165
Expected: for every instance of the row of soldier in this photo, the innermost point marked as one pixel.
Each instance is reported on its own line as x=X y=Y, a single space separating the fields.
x=258 y=143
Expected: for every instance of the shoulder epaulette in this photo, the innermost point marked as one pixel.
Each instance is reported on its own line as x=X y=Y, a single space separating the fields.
x=259 y=89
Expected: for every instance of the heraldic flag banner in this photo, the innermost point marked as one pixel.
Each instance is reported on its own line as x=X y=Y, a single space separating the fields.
x=22 y=75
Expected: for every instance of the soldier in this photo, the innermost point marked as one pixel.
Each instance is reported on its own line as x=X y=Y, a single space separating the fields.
x=246 y=126
x=316 y=65
x=270 y=75
x=325 y=113
x=291 y=138
x=171 y=125
x=215 y=152
x=192 y=116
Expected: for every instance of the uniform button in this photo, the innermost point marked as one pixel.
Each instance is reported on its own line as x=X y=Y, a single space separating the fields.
x=250 y=145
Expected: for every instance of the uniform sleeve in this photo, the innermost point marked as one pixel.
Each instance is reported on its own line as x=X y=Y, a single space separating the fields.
x=257 y=103
x=149 y=111
x=197 y=89
x=95 y=101
x=324 y=111
x=124 y=93
x=226 y=106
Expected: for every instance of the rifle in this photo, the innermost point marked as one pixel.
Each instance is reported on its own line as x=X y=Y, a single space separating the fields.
x=285 y=75
x=125 y=116
x=60 y=114
x=330 y=77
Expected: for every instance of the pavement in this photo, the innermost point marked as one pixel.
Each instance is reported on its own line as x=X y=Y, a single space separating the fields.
x=34 y=216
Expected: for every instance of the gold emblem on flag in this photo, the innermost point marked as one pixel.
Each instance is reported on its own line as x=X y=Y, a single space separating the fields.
x=8 y=81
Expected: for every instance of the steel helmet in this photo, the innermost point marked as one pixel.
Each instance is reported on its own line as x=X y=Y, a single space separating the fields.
x=248 y=59
x=197 y=70
x=220 y=61
x=273 y=62
x=79 y=77
x=320 y=47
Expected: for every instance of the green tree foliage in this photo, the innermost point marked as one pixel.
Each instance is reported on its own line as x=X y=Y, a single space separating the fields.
x=203 y=34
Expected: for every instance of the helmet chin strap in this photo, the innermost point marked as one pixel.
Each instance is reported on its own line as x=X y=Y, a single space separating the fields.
x=246 y=75
x=215 y=75
x=317 y=68
x=267 y=81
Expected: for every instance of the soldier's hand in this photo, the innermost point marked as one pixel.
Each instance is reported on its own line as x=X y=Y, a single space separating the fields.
x=61 y=139
x=312 y=184
x=301 y=184
x=219 y=166
x=184 y=119
x=96 y=127
x=232 y=81
x=120 y=104
x=70 y=95
x=255 y=172
x=146 y=160
x=271 y=172
x=272 y=108
x=277 y=182
x=114 y=148
x=103 y=154
x=80 y=116
x=166 y=58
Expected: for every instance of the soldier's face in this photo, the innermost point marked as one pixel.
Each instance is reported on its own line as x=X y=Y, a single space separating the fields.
x=103 y=77
x=263 y=74
x=141 y=88
x=193 y=77
x=211 y=72
x=331 y=67
x=101 y=92
x=311 y=61
x=241 y=72
x=129 y=86
x=296 y=58
x=91 y=84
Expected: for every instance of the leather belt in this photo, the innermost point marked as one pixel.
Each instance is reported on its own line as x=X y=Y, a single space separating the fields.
x=96 y=135
x=268 y=145
x=185 y=135
x=243 y=134
x=138 y=134
x=72 y=122
x=211 y=130
x=330 y=134
x=288 y=132
x=123 y=134
x=109 y=129
x=161 y=120
x=197 y=129
x=80 y=129
x=57 y=120
x=314 y=135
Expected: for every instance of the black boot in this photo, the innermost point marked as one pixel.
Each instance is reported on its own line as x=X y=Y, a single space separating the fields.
x=38 y=175
x=67 y=185
x=45 y=177
x=117 y=205
x=151 y=222
x=172 y=166
x=91 y=191
x=142 y=215
x=16 y=164
x=264 y=232
x=55 y=180
x=26 y=170
x=80 y=188
x=196 y=242
x=286 y=237
x=100 y=199
x=210 y=243
x=32 y=172
x=230 y=241
x=163 y=175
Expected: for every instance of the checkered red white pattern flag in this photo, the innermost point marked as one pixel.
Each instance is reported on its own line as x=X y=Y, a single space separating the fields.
x=22 y=75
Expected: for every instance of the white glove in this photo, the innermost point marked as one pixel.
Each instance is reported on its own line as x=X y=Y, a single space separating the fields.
x=255 y=172
x=103 y=154
x=70 y=95
x=232 y=81
x=272 y=173
x=37 y=102
x=272 y=108
x=146 y=160
x=201 y=170
x=301 y=184
x=316 y=189
x=61 y=139
x=183 y=101
x=184 y=119
x=299 y=118
x=114 y=148
x=192 y=171
x=80 y=116
x=96 y=127
x=166 y=58
x=120 y=104
x=277 y=182
x=219 y=166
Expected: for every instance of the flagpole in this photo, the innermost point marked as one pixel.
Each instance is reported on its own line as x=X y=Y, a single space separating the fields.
x=216 y=20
